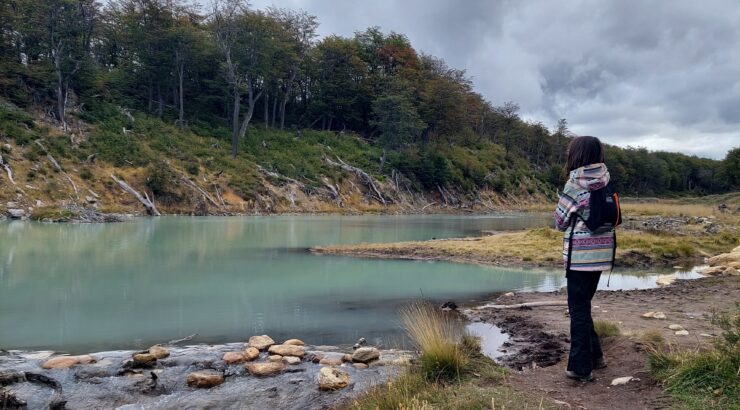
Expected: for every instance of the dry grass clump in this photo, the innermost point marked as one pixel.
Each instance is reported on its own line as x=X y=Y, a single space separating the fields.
x=605 y=328
x=436 y=335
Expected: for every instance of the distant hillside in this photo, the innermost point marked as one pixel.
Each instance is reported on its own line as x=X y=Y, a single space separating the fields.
x=241 y=110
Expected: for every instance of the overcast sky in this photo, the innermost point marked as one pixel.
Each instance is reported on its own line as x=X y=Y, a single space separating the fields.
x=659 y=74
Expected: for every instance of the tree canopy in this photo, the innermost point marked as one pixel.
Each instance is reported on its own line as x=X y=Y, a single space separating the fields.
x=230 y=65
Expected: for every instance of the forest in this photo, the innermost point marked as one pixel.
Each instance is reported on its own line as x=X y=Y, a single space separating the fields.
x=270 y=90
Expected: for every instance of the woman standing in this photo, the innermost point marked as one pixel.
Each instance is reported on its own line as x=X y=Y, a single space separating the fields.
x=585 y=253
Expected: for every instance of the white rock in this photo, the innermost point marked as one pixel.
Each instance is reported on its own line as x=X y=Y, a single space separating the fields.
x=659 y=315
x=16 y=213
x=623 y=380
x=705 y=335
x=676 y=327
x=682 y=333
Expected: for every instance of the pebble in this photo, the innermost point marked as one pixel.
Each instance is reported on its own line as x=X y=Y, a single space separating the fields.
x=682 y=333
x=676 y=327
x=234 y=357
x=275 y=358
x=144 y=359
x=294 y=342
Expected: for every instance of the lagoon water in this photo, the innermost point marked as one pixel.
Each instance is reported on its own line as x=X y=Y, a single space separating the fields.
x=91 y=287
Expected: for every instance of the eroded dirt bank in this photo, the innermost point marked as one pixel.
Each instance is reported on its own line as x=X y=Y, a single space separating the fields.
x=537 y=349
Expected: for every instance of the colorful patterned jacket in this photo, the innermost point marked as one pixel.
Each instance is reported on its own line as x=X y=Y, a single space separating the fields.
x=591 y=252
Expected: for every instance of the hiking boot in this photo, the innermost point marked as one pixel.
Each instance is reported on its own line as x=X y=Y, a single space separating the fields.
x=575 y=376
x=599 y=364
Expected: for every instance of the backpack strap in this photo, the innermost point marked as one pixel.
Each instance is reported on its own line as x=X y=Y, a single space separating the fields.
x=614 y=256
x=573 y=220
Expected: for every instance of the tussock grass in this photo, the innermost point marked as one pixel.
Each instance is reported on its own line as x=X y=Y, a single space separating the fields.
x=436 y=335
x=708 y=378
x=652 y=338
x=605 y=328
x=444 y=346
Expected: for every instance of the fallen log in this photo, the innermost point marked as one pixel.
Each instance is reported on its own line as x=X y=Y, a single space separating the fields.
x=364 y=177
x=527 y=305
x=148 y=204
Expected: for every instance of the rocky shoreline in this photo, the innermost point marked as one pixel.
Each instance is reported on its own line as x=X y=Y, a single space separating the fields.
x=259 y=374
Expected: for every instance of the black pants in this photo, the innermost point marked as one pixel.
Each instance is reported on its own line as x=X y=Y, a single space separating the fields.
x=585 y=348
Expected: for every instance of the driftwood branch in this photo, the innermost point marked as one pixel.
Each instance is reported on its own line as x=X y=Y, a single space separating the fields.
x=8 y=171
x=527 y=305
x=364 y=177
x=199 y=189
x=58 y=167
x=148 y=204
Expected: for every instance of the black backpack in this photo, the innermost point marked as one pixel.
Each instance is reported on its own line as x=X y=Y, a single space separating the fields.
x=604 y=214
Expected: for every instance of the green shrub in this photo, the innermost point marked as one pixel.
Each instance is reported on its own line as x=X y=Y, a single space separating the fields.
x=162 y=181
x=116 y=148
x=86 y=174
x=192 y=168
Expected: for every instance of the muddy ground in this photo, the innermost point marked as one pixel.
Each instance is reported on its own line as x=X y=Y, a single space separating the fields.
x=538 y=347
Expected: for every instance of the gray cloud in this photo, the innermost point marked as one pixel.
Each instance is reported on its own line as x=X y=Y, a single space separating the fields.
x=663 y=75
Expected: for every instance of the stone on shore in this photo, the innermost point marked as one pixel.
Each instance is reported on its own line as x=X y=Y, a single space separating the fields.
x=359 y=365
x=144 y=359
x=251 y=353
x=331 y=378
x=274 y=358
x=287 y=350
x=331 y=361
x=159 y=352
x=294 y=342
x=234 y=357
x=682 y=333
x=261 y=342
x=676 y=327
x=291 y=360
x=65 y=362
x=205 y=379
x=365 y=355
x=654 y=315
x=622 y=380
x=265 y=369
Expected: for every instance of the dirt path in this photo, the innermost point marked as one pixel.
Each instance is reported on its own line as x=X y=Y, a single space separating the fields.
x=539 y=340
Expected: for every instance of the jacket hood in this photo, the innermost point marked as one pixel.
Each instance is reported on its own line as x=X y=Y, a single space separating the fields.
x=591 y=177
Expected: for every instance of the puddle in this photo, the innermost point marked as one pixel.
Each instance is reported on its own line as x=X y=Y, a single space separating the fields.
x=491 y=338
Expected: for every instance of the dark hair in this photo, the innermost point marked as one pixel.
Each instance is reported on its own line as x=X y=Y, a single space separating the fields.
x=583 y=151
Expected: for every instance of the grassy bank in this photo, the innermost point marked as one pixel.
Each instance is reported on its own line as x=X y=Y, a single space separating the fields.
x=706 y=378
x=451 y=373
x=542 y=247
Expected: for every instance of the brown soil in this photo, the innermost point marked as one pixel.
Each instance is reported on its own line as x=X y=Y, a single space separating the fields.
x=537 y=350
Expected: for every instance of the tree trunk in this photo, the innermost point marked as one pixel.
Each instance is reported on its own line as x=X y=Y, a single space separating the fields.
x=60 y=84
x=266 y=107
x=235 y=123
x=148 y=204
x=181 y=117
x=160 y=106
x=252 y=101
x=274 y=108
x=284 y=102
